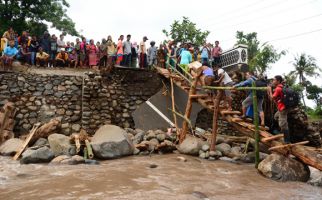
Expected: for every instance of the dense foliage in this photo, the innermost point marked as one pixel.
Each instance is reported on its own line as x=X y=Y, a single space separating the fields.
x=32 y=15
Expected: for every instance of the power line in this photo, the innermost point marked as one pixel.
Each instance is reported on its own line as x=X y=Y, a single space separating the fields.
x=281 y=11
x=296 y=35
x=242 y=15
x=286 y=24
x=293 y=22
x=238 y=9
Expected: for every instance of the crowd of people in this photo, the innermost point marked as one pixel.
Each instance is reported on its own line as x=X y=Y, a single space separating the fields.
x=50 y=51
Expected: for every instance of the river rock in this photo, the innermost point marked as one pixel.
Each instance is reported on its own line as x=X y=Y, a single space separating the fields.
x=110 y=142
x=191 y=146
x=281 y=168
x=316 y=177
x=10 y=147
x=205 y=147
x=60 y=145
x=215 y=154
x=74 y=160
x=41 y=155
x=223 y=148
x=250 y=157
x=40 y=142
x=138 y=138
x=161 y=137
x=59 y=159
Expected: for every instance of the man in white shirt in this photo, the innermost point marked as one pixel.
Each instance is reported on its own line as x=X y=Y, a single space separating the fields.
x=60 y=43
x=127 y=45
x=225 y=78
x=143 y=57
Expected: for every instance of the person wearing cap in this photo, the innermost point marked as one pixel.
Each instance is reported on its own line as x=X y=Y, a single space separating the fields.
x=152 y=54
x=143 y=56
x=62 y=58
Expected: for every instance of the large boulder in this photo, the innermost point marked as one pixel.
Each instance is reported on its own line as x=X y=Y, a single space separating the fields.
x=281 y=168
x=191 y=146
x=316 y=177
x=41 y=155
x=10 y=147
x=111 y=142
x=60 y=145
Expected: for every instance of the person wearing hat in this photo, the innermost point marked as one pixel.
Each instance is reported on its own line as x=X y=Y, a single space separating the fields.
x=62 y=58
x=152 y=54
x=143 y=57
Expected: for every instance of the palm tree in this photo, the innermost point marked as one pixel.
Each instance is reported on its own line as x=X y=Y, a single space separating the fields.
x=305 y=66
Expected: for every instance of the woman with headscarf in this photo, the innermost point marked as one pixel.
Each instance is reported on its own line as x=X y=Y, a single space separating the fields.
x=92 y=54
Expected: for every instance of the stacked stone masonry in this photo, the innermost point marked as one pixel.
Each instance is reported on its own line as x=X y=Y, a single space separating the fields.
x=87 y=101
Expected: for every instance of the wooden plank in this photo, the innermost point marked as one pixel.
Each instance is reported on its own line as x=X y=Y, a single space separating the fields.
x=199 y=96
x=215 y=120
x=267 y=139
x=230 y=112
x=26 y=142
x=287 y=145
x=235 y=119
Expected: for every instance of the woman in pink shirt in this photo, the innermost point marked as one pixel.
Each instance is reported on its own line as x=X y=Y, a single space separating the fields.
x=119 y=50
x=92 y=54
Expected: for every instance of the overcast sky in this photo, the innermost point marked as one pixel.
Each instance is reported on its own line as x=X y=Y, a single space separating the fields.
x=280 y=22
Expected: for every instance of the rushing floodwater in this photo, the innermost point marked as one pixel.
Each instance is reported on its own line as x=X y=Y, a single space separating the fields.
x=132 y=178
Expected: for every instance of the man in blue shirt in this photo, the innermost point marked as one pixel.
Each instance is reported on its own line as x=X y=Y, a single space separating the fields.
x=9 y=54
x=205 y=52
x=249 y=99
x=186 y=58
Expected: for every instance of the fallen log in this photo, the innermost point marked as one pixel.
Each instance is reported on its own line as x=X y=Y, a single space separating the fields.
x=7 y=114
x=288 y=145
x=45 y=130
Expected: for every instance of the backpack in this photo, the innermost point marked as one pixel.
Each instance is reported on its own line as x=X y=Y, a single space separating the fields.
x=260 y=83
x=260 y=93
x=291 y=98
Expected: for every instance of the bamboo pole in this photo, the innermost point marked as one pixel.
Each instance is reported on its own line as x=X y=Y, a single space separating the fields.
x=192 y=91
x=89 y=149
x=173 y=107
x=255 y=109
x=233 y=88
x=215 y=120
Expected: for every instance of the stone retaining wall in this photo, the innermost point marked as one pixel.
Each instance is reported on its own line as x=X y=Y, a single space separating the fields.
x=87 y=101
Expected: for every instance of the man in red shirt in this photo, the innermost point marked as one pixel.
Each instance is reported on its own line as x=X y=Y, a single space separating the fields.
x=281 y=114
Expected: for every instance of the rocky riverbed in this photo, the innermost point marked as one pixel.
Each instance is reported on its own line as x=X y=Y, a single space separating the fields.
x=145 y=177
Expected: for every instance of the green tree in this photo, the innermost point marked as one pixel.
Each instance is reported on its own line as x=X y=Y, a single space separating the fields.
x=305 y=66
x=260 y=56
x=32 y=15
x=314 y=93
x=186 y=31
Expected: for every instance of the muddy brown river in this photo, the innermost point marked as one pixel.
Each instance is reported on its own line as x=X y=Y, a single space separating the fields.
x=133 y=178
